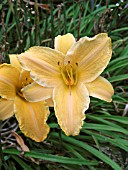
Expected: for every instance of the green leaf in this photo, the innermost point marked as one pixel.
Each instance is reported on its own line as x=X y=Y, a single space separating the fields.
x=118 y=78
x=21 y=162
x=90 y=149
x=123 y=120
x=104 y=127
x=102 y=138
x=52 y=158
x=120 y=29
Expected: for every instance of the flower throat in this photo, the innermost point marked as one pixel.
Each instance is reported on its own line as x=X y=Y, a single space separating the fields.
x=69 y=74
x=25 y=81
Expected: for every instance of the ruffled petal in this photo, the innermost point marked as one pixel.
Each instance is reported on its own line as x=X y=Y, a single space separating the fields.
x=70 y=103
x=35 y=92
x=44 y=64
x=64 y=43
x=32 y=118
x=101 y=89
x=14 y=61
x=9 y=77
x=91 y=55
x=6 y=109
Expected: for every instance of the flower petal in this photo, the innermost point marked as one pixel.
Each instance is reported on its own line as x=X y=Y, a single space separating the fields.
x=70 y=102
x=32 y=118
x=50 y=102
x=9 y=77
x=44 y=64
x=35 y=92
x=92 y=56
x=6 y=109
x=14 y=61
x=100 y=88
x=64 y=43
x=24 y=79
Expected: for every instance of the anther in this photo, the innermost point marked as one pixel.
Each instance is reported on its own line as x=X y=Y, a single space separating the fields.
x=76 y=64
x=68 y=62
x=58 y=63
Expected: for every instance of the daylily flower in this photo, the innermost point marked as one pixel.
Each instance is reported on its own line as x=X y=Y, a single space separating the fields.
x=72 y=69
x=31 y=116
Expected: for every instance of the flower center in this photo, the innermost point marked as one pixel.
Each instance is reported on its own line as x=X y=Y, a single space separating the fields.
x=69 y=74
x=25 y=81
x=20 y=93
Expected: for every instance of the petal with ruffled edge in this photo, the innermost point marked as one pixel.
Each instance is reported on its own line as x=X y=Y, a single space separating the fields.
x=70 y=102
x=6 y=109
x=101 y=89
x=35 y=92
x=44 y=64
x=9 y=77
x=32 y=118
x=91 y=55
x=63 y=43
x=14 y=61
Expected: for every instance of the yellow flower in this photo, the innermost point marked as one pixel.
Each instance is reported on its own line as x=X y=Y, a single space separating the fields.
x=31 y=116
x=72 y=69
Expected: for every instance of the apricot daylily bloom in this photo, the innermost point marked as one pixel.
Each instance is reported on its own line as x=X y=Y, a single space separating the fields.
x=72 y=69
x=31 y=116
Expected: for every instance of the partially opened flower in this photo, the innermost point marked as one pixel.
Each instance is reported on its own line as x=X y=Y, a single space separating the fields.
x=72 y=69
x=31 y=116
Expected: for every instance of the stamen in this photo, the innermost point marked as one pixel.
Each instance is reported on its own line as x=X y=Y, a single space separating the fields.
x=71 y=78
x=20 y=94
x=64 y=78
x=75 y=78
x=69 y=73
x=75 y=74
x=76 y=64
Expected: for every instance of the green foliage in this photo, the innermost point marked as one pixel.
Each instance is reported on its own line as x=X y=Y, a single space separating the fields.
x=102 y=143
